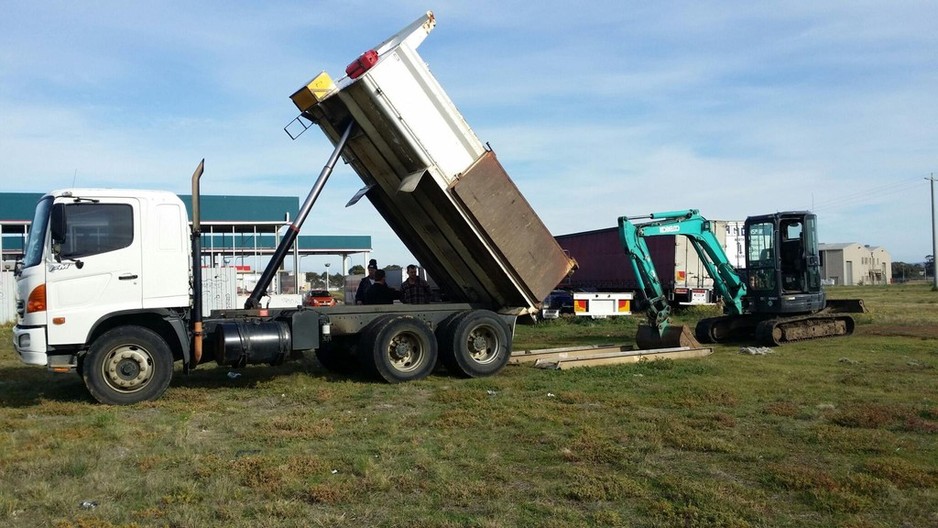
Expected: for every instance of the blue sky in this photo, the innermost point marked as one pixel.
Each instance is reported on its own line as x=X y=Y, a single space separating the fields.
x=596 y=111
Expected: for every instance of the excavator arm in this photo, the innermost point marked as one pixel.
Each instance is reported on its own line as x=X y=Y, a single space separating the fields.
x=659 y=332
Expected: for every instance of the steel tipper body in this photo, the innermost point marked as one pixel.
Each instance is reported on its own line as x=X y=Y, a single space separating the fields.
x=438 y=186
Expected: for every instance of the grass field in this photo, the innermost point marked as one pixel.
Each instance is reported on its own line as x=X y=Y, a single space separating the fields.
x=840 y=432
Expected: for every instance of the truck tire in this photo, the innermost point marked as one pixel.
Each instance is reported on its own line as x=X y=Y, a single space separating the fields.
x=127 y=365
x=398 y=348
x=475 y=344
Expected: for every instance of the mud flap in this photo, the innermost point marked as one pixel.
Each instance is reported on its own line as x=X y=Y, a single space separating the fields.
x=674 y=336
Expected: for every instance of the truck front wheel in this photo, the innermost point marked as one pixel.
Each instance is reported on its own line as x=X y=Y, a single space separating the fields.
x=126 y=365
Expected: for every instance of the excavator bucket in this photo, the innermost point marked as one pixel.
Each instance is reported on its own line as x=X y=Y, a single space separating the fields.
x=674 y=336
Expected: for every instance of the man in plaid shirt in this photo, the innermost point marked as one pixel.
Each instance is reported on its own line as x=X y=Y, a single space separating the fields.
x=415 y=290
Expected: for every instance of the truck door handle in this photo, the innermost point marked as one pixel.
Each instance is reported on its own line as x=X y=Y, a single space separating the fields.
x=127 y=277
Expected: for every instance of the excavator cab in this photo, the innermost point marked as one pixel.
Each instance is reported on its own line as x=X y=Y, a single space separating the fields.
x=782 y=272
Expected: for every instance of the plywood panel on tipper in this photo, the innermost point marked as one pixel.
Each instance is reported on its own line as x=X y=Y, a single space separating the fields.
x=503 y=214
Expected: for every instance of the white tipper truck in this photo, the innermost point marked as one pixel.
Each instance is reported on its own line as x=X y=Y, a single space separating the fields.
x=109 y=285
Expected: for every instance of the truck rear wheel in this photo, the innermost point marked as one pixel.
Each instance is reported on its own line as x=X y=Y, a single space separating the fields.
x=398 y=348
x=475 y=344
x=126 y=365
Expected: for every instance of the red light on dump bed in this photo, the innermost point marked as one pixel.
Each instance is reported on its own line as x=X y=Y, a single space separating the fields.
x=362 y=64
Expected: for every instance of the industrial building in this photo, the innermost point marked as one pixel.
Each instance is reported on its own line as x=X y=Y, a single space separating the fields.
x=855 y=264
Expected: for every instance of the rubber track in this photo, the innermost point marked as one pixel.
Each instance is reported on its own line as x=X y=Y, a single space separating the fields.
x=793 y=328
x=774 y=332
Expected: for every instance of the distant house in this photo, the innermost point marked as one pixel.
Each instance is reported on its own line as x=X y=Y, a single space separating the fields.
x=855 y=264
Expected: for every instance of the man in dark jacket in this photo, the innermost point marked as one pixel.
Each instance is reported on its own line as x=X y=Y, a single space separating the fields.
x=366 y=282
x=380 y=292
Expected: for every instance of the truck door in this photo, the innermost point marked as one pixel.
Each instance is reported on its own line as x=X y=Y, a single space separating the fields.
x=99 y=266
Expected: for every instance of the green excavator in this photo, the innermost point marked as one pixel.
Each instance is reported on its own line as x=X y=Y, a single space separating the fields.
x=775 y=299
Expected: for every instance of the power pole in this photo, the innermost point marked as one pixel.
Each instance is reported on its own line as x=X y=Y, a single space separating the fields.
x=934 y=243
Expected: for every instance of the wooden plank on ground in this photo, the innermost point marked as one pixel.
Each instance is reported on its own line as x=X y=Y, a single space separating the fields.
x=530 y=356
x=632 y=356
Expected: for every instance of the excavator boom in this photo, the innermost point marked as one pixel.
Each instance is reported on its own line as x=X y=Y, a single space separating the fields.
x=659 y=332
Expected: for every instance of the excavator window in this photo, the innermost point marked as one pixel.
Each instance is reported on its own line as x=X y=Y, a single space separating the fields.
x=762 y=257
x=761 y=245
x=792 y=256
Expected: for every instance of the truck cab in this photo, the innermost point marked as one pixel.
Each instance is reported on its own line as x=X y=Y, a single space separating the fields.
x=93 y=257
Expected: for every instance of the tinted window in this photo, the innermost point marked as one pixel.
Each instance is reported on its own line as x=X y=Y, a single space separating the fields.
x=761 y=245
x=97 y=228
x=793 y=231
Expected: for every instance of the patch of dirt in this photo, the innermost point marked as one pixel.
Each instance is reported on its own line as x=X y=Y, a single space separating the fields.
x=923 y=332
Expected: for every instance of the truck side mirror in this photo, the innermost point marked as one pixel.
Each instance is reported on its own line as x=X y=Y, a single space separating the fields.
x=57 y=221
x=57 y=229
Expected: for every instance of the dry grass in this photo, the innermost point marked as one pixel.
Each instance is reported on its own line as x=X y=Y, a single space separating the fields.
x=839 y=432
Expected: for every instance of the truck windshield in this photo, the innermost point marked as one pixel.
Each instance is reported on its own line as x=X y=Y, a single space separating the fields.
x=37 y=233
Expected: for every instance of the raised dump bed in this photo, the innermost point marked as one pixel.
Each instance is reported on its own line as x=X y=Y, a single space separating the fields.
x=436 y=184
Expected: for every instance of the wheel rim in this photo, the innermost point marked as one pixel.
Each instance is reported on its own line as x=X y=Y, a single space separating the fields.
x=482 y=344
x=128 y=368
x=406 y=352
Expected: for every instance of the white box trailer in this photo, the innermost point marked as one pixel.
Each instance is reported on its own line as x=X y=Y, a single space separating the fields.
x=692 y=284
